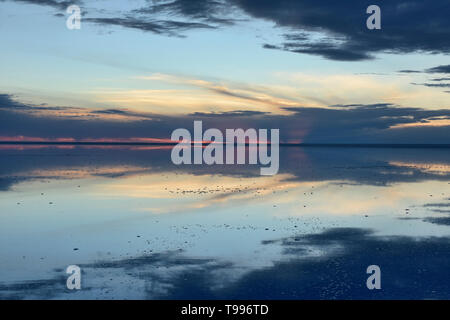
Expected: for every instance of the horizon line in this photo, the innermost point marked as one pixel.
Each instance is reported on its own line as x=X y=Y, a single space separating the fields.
x=281 y=144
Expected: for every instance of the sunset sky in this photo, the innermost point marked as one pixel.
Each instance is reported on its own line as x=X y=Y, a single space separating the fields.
x=140 y=69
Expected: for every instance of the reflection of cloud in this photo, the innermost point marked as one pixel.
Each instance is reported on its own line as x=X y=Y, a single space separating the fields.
x=84 y=173
x=359 y=200
x=411 y=268
x=197 y=191
x=300 y=166
x=434 y=168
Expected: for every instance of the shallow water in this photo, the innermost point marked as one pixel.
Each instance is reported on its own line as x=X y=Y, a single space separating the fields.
x=142 y=228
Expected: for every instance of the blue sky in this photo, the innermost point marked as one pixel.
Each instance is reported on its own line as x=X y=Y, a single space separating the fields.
x=174 y=58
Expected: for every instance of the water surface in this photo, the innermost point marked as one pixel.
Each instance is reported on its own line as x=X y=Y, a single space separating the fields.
x=142 y=228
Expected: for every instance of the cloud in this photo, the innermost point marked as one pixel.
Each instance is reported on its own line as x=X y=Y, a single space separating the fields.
x=150 y=18
x=433 y=85
x=165 y=27
x=8 y=103
x=172 y=18
x=440 y=79
x=439 y=69
x=223 y=94
x=237 y=113
x=62 y=5
x=353 y=123
x=216 y=11
x=337 y=30
x=293 y=89
x=409 y=71
x=334 y=30
x=319 y=28
x=322 y=49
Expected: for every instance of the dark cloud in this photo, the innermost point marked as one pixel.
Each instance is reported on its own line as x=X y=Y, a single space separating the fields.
x=215 y=12
x=409 y=71
x=439 y=69
x=165 y=27
x=7 y=102
x=366 y=106
x=433 y=85
x=369 y=121
x=332 y=29
x=122 y=112
x=237 y=113
x=192 y=15
x=440 y=79
x=62 y=5
x=184 y=15
x=353 y=123
x=406 y=26
x=325 y=50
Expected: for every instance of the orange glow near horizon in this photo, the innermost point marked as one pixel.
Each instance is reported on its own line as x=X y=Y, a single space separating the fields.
x=114 y=140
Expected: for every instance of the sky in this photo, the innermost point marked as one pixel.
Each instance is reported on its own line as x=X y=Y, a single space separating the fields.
x=137 y=70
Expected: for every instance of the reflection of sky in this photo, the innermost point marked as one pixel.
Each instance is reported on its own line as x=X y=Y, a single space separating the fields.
x=129 y=205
